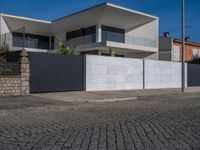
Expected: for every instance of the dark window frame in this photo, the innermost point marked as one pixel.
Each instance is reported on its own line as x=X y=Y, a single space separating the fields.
x=41 y=40
x=81 y=32
x=119 y=34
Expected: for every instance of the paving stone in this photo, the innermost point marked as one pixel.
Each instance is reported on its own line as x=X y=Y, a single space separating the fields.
x=169 y=122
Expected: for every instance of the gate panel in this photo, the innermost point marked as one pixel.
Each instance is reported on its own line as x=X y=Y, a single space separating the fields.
x=193 y=75
x=54 y=72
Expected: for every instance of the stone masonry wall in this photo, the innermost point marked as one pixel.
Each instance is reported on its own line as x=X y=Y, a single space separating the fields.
x=25 y=79
x=17 y=85
x=10 y=85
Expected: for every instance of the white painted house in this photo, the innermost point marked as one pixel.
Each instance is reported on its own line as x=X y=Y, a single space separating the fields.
x=91 y=31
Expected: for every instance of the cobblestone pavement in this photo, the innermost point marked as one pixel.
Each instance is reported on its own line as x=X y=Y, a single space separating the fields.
x=170 y=122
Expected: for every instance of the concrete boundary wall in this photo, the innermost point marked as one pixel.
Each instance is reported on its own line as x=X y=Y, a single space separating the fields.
x=108 y=73
x=163 y=74
x=113 y=73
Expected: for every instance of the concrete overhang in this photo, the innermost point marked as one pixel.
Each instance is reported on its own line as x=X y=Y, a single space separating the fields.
x=105 y=14
x=32 y=26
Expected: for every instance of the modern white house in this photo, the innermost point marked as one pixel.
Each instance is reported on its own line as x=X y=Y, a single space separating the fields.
x=91 y=31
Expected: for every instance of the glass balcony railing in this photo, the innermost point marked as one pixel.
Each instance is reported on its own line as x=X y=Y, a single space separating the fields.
x=127 y=39
x=140 y=41
x=36 y=42
x=112 y=37
x=88 y=39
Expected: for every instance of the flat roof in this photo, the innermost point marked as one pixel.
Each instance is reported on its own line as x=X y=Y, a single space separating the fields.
x=187 y=42
x=102 y=4
x=25 y=18
x=33 y=26
x=107 y=4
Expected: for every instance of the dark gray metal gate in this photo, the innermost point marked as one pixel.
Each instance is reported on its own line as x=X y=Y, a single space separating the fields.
x=54 y=72
x=193 y=75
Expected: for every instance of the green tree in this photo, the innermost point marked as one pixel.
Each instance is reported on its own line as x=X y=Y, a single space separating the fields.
x=64 y=49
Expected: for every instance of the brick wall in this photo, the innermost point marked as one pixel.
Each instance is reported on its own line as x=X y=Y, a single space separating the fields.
x=188 y=49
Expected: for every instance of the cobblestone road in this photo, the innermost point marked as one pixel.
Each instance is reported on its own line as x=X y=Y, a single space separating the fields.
x=170 y=122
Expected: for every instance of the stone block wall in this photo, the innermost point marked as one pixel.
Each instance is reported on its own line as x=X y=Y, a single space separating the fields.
x=25 y=71
x=10 y=85
x=17 y=85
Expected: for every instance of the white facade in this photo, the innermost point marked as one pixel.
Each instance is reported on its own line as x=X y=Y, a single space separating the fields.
x=138 y=39
x=10 y=24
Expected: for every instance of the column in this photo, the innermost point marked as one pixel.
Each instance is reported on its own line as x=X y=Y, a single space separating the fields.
x=98 y=33
x=25 y=71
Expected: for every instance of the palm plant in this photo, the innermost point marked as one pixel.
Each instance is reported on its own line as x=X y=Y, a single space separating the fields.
x=64 y=49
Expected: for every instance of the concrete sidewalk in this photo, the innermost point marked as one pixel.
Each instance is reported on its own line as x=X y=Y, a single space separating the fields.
x=103 y=96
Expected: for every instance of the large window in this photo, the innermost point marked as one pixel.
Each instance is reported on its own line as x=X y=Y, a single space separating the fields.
x=195 y=53
x=176 y=53
x=31 y=41
x=88 y=34
x=113 y=34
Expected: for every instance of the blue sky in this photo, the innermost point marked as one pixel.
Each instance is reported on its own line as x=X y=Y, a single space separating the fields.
x=168 y=11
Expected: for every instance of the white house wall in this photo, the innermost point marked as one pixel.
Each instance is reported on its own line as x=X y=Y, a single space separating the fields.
x=4 y=27
x=148 y=31
x=5 y=30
